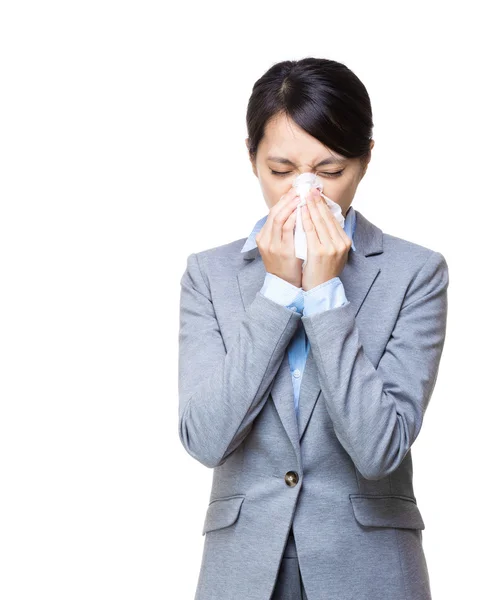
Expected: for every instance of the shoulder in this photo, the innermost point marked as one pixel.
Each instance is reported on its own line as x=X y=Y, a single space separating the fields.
x=222 y=260
x=404 y=252
x=420 y=270
x=230 y=252
x=374 y=241
x=402 y=261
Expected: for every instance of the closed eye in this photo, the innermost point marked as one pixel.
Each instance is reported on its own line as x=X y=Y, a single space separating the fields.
x=325 y=174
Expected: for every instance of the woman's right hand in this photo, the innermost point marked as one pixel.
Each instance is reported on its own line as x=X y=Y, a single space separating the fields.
x=275 y=240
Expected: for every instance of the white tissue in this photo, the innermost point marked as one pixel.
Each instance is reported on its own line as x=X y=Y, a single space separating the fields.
x=303 y=183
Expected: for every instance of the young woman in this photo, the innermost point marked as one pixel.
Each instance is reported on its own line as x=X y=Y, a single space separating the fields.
x=304 y=385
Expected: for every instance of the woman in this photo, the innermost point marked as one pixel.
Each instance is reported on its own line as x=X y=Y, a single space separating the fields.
x=304 y=386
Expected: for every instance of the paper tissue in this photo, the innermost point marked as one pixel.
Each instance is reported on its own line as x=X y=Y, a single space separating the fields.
x=303 y=184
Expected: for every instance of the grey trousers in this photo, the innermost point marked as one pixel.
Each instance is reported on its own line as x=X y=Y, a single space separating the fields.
x=289 y=585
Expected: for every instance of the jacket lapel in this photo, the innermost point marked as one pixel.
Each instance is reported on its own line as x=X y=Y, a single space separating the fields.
x=357 y=277
x=250 y=279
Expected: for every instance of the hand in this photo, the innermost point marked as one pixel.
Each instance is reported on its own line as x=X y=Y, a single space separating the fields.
x=328 y=244
x=275 y=240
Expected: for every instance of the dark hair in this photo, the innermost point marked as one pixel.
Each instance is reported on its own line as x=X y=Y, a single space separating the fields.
x=322 y=96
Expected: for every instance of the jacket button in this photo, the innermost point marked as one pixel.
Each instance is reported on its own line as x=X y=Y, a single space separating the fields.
x=292 y=478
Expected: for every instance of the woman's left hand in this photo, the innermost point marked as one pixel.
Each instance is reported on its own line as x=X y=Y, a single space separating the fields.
x=328 y=245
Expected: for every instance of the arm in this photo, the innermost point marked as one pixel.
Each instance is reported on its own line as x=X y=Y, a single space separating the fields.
x=222 y=391
x=377 y=413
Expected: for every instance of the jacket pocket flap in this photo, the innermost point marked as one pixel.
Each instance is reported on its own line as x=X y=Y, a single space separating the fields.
x=386 y=511
x=222 y=512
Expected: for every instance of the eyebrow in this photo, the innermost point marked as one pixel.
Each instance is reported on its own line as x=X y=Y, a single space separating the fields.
x=332 y=160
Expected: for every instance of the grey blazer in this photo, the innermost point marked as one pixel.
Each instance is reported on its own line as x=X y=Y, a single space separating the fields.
x=343 y=477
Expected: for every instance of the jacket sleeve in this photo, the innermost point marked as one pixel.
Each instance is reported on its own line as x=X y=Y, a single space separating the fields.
x=221 y=391
x=377 y=413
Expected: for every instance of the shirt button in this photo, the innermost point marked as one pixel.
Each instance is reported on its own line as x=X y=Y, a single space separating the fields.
x=296 y=373
x=294 y=308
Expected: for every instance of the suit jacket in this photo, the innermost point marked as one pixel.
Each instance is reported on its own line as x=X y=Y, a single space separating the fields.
x=342 y=476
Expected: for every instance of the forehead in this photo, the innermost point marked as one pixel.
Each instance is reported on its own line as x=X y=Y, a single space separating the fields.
x=283 y=137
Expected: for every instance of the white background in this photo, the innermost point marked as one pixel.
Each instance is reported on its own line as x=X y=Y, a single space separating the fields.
x=122 y=128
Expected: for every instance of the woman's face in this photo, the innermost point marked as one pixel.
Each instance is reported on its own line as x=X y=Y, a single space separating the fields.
x=286 y=151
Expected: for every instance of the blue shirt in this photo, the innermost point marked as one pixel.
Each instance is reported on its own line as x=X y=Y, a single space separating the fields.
x=325 y=296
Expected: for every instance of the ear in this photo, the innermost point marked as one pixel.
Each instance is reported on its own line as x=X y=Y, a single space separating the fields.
x=253 y=164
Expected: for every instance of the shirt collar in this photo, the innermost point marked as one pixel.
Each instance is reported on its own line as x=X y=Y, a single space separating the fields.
x=349 y=228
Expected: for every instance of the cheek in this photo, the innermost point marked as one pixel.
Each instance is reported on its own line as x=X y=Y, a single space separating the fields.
x=340 y=188
x=274 y=187
x=334 y=189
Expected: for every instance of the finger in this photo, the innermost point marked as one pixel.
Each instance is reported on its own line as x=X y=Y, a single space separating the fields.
x=279 y=213
x=280 y=219
x=319 y=222
x=313 y=241
x=284 y=200
x=288 y=239
x=335 y=229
